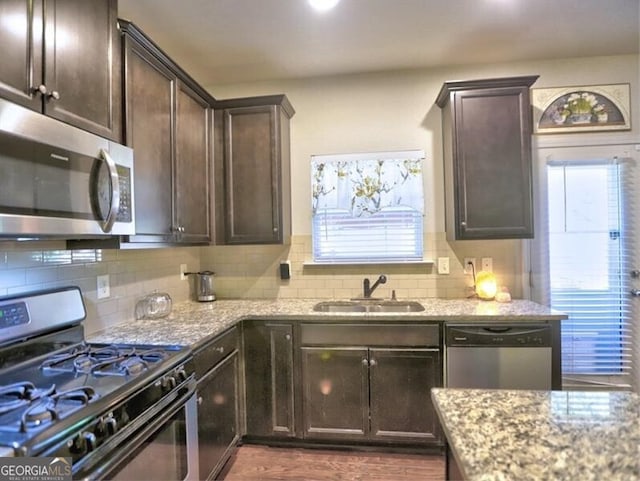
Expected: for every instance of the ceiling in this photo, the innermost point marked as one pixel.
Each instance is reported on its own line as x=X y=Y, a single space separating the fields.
x=228 y=41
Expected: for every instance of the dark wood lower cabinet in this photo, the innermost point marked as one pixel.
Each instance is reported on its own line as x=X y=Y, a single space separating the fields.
x=217 y=367
x=374 y=394
x=452 y=470
x=269 y=374
x=217 y=416
x=400 y=394
x=336 y=392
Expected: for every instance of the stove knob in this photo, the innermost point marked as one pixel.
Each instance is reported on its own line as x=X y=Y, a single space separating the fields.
x=182 y=374
x=77 y=445
x=106 y=427
x=124 y=417
x=90 y=441
x=168 y=383
x=112 y=425
x=83 y=443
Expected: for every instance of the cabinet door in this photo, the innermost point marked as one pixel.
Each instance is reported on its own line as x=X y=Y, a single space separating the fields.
x=217 y=416
x=493 y=163
x=269 y=379
x=21 y=71
x=81 y=54
x=192 y=166
x=252 y=175
x=336 y=392
x=149 y=131
x=401 y=382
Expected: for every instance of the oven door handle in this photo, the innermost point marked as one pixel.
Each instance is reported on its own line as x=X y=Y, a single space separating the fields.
x=113 y=460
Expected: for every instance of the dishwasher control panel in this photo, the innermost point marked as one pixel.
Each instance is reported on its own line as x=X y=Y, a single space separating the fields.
x=498 y=335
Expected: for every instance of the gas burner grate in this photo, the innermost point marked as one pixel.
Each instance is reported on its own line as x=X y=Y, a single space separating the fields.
x=20 y=394
x=56 y=405
x=102 y=361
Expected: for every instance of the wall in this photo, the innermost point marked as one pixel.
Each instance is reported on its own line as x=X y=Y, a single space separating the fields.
x=381 y=112
x=358 y=113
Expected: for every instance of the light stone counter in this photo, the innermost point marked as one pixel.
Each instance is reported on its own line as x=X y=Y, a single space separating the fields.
x=502 y=435
x=193 y=323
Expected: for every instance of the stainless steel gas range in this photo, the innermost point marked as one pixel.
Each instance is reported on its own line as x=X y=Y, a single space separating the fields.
x=118 y=412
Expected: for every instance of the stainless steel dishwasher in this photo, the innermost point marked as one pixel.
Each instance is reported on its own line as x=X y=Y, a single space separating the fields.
x=498 y=356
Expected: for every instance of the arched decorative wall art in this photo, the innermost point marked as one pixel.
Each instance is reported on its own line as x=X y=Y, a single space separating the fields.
x=581 y=109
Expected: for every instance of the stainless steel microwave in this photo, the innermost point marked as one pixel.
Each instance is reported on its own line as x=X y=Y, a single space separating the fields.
x=60 y=181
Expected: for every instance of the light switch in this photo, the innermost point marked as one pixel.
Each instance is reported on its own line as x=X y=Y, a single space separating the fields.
x=443 y=265
x=103 y=287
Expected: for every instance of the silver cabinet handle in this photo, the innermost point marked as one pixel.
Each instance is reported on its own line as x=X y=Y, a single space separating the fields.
x=287 y=337
x=115 y=192
x=365 y=362
x=54 y=94
x=635 y=292
x=373 y=362
x=220 y=349
x=200 y=400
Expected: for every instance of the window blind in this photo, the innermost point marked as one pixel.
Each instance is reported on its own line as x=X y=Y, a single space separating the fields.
x=393 y=234
x=590 y=240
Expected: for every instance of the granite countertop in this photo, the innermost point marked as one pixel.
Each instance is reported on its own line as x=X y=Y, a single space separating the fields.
x=193 y=323
x=503 y=435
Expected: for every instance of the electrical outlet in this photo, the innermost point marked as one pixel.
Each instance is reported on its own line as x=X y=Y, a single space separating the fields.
x=443 y=265
x=487 y=264
x=183 y=269
x=468 y=261
x=102 y=286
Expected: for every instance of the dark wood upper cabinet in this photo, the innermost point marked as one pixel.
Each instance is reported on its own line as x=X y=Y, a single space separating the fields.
x=149 y=124
x=487 y=158
x=168 y=124
x=63 y=61
x=253 y=200
x=192 y=171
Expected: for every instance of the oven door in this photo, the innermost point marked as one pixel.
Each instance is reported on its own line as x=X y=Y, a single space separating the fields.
x=165 y=450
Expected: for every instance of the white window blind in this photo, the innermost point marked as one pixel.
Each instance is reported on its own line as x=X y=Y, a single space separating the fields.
x=589 y=244
x=367 y=207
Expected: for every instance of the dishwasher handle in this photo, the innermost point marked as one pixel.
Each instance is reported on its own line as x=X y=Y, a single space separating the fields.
x=496 y=335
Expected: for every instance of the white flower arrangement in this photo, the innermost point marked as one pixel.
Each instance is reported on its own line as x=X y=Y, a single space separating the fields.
x=580 y=107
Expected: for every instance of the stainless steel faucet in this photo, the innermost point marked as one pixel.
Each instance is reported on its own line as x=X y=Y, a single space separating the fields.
x=368 y=290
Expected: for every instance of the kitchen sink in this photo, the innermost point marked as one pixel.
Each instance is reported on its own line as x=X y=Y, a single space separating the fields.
x=368 y=306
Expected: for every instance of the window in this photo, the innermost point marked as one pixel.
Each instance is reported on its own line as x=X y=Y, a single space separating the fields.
x=589 y=240
x=367 y=207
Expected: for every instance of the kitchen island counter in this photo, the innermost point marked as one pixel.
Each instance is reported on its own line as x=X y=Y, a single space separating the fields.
x=194 y=323
x=502 y=435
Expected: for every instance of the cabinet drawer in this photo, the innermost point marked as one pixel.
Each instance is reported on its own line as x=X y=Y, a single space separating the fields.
x=371 y=334
x=215 y=351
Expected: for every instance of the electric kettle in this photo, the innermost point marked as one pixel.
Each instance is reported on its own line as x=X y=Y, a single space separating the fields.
x=204 y=285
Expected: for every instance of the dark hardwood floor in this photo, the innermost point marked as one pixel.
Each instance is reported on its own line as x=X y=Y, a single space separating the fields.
x=253 y=463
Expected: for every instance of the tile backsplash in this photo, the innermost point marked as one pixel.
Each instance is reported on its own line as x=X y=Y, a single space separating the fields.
x=253 y=271
x=241 y=272
x=39 y=265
